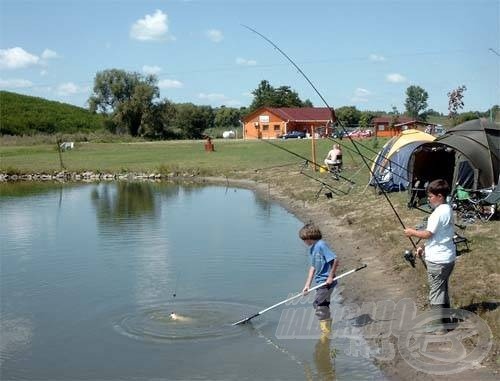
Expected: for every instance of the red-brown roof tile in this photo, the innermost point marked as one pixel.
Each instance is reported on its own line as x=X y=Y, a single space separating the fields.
x=303 y=113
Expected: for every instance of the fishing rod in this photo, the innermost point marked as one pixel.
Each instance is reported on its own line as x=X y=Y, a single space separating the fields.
x=246 y=320
x=326 y=185
x=316 y=165
x=276 y=166
x=333 y=117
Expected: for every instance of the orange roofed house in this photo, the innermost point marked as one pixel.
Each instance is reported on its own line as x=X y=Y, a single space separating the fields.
x=271 y=123
x=383 y=128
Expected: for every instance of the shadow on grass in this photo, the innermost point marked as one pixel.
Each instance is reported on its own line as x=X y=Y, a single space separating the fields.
x=481 y=307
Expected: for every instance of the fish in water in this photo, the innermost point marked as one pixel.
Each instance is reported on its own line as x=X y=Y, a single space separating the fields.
x=175 y=316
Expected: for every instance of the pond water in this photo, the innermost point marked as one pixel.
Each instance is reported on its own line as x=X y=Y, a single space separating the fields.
x=90 y=274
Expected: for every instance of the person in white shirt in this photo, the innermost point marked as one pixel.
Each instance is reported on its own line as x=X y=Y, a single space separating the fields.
x=439 y=252
x=334 y=158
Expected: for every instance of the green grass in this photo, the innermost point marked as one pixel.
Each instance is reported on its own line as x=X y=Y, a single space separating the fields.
x=229 y=156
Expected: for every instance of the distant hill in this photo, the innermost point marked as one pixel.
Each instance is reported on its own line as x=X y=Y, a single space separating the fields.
x=22 y=114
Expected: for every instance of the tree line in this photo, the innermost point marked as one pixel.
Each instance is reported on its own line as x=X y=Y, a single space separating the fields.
x=129 y=103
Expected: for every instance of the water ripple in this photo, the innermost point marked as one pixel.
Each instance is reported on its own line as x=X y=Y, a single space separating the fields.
x=200 y=320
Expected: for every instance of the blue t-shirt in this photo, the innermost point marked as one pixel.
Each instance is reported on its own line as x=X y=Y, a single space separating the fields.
x=322 y=258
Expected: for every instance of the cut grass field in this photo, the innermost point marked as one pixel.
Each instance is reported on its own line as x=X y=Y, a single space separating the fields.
x=230 y=156
x=476 y=280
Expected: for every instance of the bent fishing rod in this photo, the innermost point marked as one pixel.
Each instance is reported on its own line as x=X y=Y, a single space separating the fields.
x=246 y=320
x=341 y=125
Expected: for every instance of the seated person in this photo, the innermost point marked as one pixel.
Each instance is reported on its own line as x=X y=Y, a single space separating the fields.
x=334 y=158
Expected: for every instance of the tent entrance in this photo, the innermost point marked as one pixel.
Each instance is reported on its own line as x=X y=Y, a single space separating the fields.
x=430 y=162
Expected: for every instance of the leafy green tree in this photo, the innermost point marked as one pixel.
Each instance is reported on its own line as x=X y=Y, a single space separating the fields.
x=365 y=120
x=431 y=112
x=126 y=97
x=283 y=96
x=394 y=117
x=307 y=103
x=464 y=117
x=227 y=117
x=349 y=115
x=416 y=101
x=494 y=112
x=157 y=121
x=191 y=120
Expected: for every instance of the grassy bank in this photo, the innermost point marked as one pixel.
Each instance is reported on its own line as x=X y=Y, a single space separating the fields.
x=476 y=280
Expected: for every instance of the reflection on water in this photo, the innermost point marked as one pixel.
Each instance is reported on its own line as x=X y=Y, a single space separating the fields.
x=119 y=202
x=89 y=273
x=323 y=360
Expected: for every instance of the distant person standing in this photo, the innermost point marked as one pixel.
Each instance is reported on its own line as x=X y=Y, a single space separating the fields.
x=333 y=159
x=440 y=252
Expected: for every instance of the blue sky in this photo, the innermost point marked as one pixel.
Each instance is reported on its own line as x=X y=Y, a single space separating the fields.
x=359 y=52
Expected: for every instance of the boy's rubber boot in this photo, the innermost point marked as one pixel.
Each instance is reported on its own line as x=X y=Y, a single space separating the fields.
x=436 y=327
x=326 y=328
x=451 y=322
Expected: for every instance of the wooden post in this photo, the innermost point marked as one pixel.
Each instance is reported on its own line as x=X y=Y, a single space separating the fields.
x=313 y=149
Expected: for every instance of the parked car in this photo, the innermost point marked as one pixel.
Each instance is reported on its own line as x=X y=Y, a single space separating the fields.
x=294 y=135
x=338 y=134
x=435 y=130
x=360 y=134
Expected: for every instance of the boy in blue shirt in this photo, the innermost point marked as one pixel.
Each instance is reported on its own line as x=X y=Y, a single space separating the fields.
x=324 y=263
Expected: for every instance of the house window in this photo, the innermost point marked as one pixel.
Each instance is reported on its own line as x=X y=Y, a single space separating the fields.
x=277 y=127
x=265 y=127
x=381 y=127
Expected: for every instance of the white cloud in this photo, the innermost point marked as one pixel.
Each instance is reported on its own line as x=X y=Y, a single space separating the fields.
x=360 y=92
x=48 y=54
x=151 y=28
x=244 y=61
x=170 y=84
x=15 y=83
x=360 y=95
x=70 y=88
x=17 y=58
x=214 y=35
x=376 y=58
x=395 y=78
x=151 y=69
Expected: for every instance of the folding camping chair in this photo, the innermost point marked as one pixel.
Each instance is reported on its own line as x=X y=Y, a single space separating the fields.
x=472 y=205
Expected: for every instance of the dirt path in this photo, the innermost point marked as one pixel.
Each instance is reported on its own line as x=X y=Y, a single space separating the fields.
x=378 y=283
